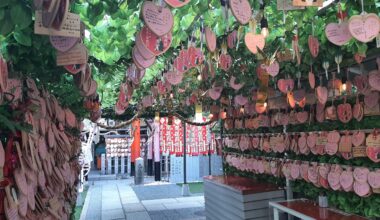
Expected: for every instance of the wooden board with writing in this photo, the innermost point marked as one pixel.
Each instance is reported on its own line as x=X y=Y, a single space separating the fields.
x=70 y=28
x=77 y=55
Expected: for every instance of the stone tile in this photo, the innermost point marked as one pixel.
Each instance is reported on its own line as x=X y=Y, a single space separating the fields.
x=113 y=214
x=138 y=216
x=158 y=217
x=134 y=207
x=111 y=204
x=183 y=205
x=159 y=201
x=155 y=207
x=191 y=199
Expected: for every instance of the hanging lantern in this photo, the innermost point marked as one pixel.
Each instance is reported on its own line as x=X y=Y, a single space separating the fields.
x=223 y=114
x=198 y=112
x=157 y=117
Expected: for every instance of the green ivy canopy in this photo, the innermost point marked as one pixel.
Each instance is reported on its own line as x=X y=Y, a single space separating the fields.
x=112 y=25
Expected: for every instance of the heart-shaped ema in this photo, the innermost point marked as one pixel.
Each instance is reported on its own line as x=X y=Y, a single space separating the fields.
x=374 y=179
x=374 y=79
x=147 y=101
x=338 y=34
x=75 y=68
x=3 y=75
x=260 y=107
x=181 y=63
x=313 y=46
x=240 y=100
x=235 y=86
x=196 y=57
x=254 y=41
x=119 y=109
x=273 y=69
x=210 y=39
x=302 y=116
x=232 y=39
x=344 y=112
x=149 y=43
x=371 y=99
x=139 y=60
x=63 y=44
x=215 y=92
x=364 y=28
x=322 y=94
x=158 y=19
x=361 y=83
x=173 y=77
x=241 y=9
x=358 y=138
x=225 y=62
x=285 y=85
x=177 y=3
x=311 y=80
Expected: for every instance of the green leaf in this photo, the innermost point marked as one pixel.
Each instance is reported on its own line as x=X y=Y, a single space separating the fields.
x=6 y=25
x=23 y=38
x=4 y=3
x=21 y=16
x=2 y=13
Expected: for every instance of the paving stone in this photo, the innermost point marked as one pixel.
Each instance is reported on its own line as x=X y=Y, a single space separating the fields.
x=112 y=214
x=155 y=207
x=182 y=205
x=111 y=204
x=158 y=217
x=134 y=207
x=159 y=201
x=138 y=216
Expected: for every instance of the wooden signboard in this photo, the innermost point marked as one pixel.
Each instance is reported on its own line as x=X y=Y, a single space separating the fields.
x=77 y=55
x=70 y=28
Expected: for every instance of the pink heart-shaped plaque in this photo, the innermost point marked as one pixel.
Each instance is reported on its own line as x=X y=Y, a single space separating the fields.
x=371 y=99
x=154 y=44
x=313 y=46
x=215 y=92
x=161 y=88
x=273 y=69
x=241 y=9
x=63 y=44
x=173 y=77
x=140 y=61
x=225 y=62
x=177 y=3
x=210 y=39
x=157 y=18
x=147 y=101
x=374 y=179
x=285 y=85
x=338 y=34
x=311 y=80
x=254 y=41
x=322 y=94
x=236 y=86
x=364 y=28
x=240 y=100
x=75 y=68
x=374 y=79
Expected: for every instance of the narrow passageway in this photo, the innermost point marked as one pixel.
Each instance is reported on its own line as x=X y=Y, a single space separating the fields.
x=120 y=199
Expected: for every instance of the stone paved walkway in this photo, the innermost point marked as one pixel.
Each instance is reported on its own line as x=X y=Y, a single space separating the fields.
x=116 y=200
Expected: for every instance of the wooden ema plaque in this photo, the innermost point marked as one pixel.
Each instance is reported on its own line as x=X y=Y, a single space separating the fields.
x=70 y=28
x=77 y=55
